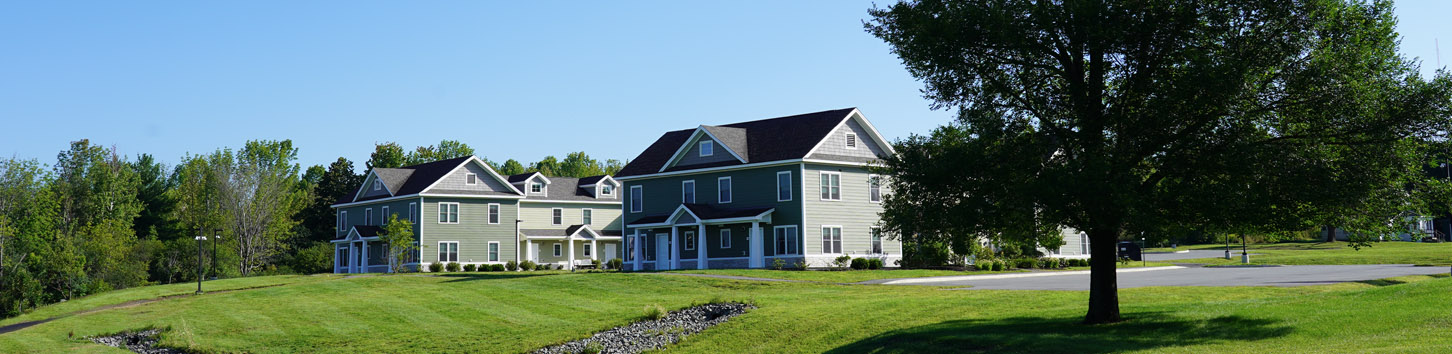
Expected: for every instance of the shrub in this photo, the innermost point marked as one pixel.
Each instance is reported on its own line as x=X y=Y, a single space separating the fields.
x=469 y=267
x=452 y=267
x=541 y=267
x=841 y=262
x=511 y=266
x=616 y=264
x=559 y=267
x=996 y=266
x=778 y=264
x=874 y=263
x=859 y=263
x=593 y=348
x=596 y=263
x=1024 y=263
x=802 y=265
x=495 y=267
x=983 y=265
x=654 y=312
x=526 y=265
x=436 y=267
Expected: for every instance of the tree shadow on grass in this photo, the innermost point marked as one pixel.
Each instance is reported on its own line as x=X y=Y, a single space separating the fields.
x=1066 y=335
x=1395 y=281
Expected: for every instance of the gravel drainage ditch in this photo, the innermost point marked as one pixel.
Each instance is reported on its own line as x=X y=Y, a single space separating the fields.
x=652 y=334
x=143 y=342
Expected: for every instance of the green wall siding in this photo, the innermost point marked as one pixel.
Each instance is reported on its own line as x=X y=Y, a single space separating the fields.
x=855 y=213
x=537 y=215
x=473 y=232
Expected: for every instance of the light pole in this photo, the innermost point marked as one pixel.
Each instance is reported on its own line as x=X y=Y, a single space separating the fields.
x=1227 y=247
x=216 y=237
x=200 y=237
x=1143 y=261
x=1244 y=256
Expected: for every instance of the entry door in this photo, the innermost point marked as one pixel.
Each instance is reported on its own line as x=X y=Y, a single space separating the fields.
x=534 y=251
x=662 y=251
x=343 y=266
x=609 y=252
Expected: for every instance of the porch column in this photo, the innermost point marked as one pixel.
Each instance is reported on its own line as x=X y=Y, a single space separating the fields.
x=675 y=244
x=336 y=259
x=364 y=256
x=529 y=251
x=755 y=246
x=570 y=255
x=701 y=246
x=635 y=248
x=594 y=252
x=352 y=257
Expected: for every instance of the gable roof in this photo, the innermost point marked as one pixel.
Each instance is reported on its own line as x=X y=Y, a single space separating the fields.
x=567 y=188
x=417 y=178
x=782 y=138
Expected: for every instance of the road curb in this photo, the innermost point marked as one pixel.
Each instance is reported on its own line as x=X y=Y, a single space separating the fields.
x=909 y=281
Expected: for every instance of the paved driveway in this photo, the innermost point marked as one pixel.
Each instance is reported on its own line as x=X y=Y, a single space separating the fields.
x=1189 y=276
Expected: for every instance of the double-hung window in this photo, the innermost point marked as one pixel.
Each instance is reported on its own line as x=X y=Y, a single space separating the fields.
x=690 y=240
x=586 y=216
x=448 y=213
x=368 y=216
x=557 y=216
x=688 y=191
x=723 y=190
x=876 y=241
x=559 y=250
x=708 y=148
x=786 y=240
x=784 y=186
x=637 y=199
x=449 y=251
x=493 y=251
x=832 y=239
x=831 y=186
x=413 y=213
x=383 y=216
x=342 y=220
x=874 y=186
x=587 y=250
x=493 y=213
x=725 y=238
x=377 y=186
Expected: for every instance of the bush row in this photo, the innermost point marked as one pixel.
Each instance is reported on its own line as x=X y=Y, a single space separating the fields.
x=512 y=266
x=1029 y=263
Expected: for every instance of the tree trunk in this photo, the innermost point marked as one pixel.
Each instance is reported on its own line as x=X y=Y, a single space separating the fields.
x=1330 y=233
x=1103 y=282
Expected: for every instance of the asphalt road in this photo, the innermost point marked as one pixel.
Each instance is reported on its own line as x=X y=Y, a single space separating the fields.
x=1190 y=276
x=1154 y=257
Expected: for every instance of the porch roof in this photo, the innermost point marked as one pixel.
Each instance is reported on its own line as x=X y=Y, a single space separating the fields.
x=704 y=213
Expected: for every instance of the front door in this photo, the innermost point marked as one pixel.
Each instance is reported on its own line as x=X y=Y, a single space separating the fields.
x=662 y=251
x=609 y=252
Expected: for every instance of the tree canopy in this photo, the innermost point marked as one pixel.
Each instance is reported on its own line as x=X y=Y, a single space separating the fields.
x=1117 y=117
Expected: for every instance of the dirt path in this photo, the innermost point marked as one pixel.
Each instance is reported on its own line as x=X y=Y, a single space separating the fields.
x=128 y=304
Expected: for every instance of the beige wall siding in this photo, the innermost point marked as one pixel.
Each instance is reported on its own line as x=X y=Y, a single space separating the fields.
x=473 y=232
x=836 y=143
x=855 y=213
x=537 y=215
x=693 y=154
x=456 y=180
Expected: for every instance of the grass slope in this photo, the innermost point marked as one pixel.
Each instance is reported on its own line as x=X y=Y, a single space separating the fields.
x=854 y=276
x=1301 y=253
x=515 y=313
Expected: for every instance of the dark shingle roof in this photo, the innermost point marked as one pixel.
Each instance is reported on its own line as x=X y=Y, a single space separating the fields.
x=783 y=138
x=591 y=180
x=566 y=188
x=566 y=231
x=365 y=231
x=414 y=179
x=520 y=177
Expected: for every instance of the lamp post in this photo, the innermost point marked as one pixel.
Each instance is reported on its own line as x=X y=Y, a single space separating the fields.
x=1227 y=247
x=1244 y=256
x=1143 y=261
x=200 y=237
x=216 y=237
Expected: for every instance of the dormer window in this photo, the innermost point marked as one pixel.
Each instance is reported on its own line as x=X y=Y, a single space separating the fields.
x=607 y=190
x=851 y=141
x=471 y=179
x=708 y=148
x=536 y=187
x=377 y=186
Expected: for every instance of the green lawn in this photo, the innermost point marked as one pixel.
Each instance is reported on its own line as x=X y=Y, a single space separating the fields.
x=520 y=312
x=854 y=276
x=1298 y=253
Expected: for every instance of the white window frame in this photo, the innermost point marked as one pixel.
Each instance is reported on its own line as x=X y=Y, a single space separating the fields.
x=557 y=216
x=413 y=213
x=788 y=186
x=1083 y=243
x=493 y=251
x=444 y=251
x=793 y=242
x=559 y=249
x=851 y=142
x=383 y=215
x=587 y=249
x=637 y=206
x=342 y=220
x=606 y=189
x=705 y=145
x=689 y=239
x=534 y=190
x=835 y=241
x=692 y=183
x=874 y=241
x=831 y=176
x=377 y=186
x=449 y=216
x=730 y=190
x=368 y=216
x=874 y=189
x=725 y=238
x=587 y=216
x=495 y=212
x=471 y=179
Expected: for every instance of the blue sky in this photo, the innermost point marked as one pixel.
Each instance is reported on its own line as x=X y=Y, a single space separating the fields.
x=514 y=80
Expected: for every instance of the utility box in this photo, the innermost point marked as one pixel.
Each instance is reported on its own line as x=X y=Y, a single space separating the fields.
x=1131 y=250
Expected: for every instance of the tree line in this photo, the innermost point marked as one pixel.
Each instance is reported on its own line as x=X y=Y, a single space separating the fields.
x=96 y=221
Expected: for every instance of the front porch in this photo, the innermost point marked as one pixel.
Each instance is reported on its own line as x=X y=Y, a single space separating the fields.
x=572 y=248
x=696 y=236
x=360 y=251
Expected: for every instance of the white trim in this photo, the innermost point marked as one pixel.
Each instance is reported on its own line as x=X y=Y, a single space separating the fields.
x=586 y=248
x=494 y=214
x=694 y=195
x=764 y=216
x=485 y=166
x=606 y=178
x=468 y=176
x=543 y=188
x=557 y=248
x=872 y=132
x=372 y=176
x=776 y=252
x=637 y=207
x=829 y=186
x=788 y=185
x=342 y=220
x=389 y=199
x=745 y=166
x=839 y=240
x=870 y=179
x=725 y=235
x=702 y=145
x=473 y=196
x=456 y=252
x=851 y=143
x=383 y=215
x=569 y=201
x=497 y=251
x=561 y=218
x=458 y=213
x=680 y=152
x=413 y=213
x=377 y=185
x=368 y=216
x=584 y=220
x=730 y=190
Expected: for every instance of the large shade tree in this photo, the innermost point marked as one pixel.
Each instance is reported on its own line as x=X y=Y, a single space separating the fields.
x=1118 y=117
